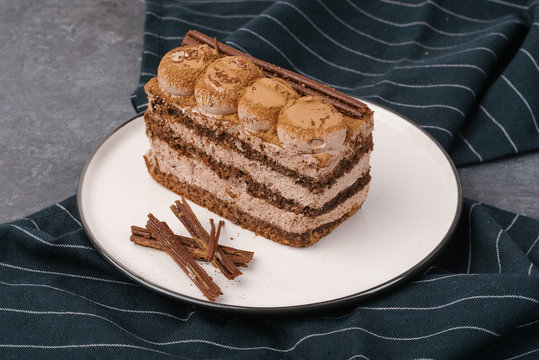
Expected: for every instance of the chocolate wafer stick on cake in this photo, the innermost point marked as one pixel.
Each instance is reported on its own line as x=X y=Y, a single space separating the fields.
x=273 y=151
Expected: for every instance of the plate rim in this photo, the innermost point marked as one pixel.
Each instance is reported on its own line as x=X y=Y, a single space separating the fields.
x=277 y=310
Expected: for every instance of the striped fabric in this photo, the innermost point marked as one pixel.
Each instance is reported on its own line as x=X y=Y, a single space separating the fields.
x=465 y=71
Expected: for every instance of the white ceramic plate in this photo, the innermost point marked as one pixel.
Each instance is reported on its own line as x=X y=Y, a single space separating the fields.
x=412 y=208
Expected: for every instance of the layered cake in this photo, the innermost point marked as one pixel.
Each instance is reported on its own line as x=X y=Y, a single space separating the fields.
x=268 y=149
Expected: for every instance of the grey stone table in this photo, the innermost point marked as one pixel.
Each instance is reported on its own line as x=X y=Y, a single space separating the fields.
x=67 y=69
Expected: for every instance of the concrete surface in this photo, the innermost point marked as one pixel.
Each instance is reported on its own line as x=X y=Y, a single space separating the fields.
x=67 y=71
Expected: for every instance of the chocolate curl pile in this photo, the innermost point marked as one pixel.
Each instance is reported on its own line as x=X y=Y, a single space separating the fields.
x=141 y=236
x=185 y=214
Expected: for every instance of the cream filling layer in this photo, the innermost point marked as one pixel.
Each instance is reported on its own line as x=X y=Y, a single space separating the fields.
x=196 y=173
x=263 y=174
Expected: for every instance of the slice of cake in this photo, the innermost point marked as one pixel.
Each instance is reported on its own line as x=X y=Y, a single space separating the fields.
x=266 y=148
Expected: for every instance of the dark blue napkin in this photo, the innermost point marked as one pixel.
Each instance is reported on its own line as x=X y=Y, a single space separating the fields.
x=467 y=72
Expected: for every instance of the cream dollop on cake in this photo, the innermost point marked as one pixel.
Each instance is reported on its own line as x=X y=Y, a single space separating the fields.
x=180 y=68
x=218 y=90
x=311 y=125
x=261 y=103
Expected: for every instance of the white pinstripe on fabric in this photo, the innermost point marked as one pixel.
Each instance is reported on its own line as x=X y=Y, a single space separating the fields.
x=530 y=269
x=523 y=354
x=512 y=223
x=418 y=106
x=527 y=324
x=234 y=45
x=498 y=251
x=416 y=86
x=35 y=237
x=440 y=7
x=443 y=277
x=86 y=277
x=82 y=346
x=68 y=213
x=151 y=53
x=442 y=306
x=147 y=74
x=428 y=270
x=470 y=147
x=501 y=2
x=242 y=29
x=78 y=313
x=358 y=357
x=32 y=221
x=500 y=126
x=148 y=33
x=513 y=87
x=469 y=50
x=442 y=66
x=531 y=247
x=530 y=57
x=348 y=329
x=438 y=128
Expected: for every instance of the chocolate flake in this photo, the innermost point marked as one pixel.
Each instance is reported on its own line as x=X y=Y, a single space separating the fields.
x=195 y=272
x=212 y=246
x=185 y=214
